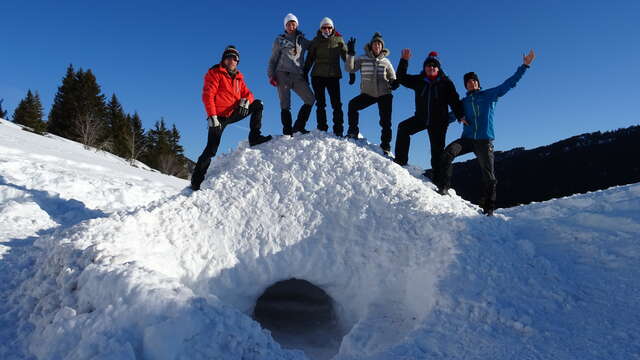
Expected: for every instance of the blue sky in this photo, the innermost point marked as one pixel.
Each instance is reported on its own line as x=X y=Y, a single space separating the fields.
x=154 y=54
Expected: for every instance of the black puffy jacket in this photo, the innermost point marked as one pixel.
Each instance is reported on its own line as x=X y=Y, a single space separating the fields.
x=433 y=98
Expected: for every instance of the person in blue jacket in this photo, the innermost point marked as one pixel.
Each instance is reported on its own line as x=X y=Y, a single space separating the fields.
x=478 y=134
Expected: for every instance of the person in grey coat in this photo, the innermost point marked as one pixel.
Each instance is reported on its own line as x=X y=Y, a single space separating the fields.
x=377 y=81
x=285 y=72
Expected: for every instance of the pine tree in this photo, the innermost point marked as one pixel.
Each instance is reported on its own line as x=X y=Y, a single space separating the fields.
x=3 y=113
x=119 y=127
x=179 y=168
x=30 y=112
x=136 y=140
x=64 y=109
x=90 y=125
x=157 y=144
x=174 y=141
x=78 y=110
x=164 y=151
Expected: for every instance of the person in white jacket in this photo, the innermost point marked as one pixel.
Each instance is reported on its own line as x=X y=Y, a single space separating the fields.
x=377 y=81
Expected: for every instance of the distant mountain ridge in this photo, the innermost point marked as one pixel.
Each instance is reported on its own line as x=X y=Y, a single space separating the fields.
x=582 y=163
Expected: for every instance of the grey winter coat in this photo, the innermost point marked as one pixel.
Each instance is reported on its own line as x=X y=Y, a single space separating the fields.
x=376 y=72
x=287 y=54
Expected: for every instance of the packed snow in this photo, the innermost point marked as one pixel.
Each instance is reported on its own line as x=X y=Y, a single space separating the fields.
x=102 y=260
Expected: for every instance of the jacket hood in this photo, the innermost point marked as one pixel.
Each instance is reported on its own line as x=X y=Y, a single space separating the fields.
x=384 y=53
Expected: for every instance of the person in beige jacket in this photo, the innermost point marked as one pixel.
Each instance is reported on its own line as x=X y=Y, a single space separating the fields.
x=377 y=81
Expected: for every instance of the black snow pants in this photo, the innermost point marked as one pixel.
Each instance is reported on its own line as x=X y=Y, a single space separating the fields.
x=437 y=137
x=215 y=135
x=483 y=149
x=363 y=101
x=332 y=85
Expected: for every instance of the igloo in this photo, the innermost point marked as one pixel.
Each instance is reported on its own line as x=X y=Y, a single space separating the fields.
x=358 y=241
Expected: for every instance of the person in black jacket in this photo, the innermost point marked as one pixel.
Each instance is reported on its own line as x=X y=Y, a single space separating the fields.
x=434 y=94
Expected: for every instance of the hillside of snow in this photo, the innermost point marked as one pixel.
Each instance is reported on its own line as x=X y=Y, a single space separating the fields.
x=106 y=261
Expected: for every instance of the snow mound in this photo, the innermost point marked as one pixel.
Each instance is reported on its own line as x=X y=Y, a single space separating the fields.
x=181 y=277
x=410 y=274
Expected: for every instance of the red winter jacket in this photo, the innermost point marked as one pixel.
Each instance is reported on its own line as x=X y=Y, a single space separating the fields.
x=221 y=93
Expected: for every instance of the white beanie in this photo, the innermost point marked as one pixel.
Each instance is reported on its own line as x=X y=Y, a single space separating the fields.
x=290 y=17
x=326 y=21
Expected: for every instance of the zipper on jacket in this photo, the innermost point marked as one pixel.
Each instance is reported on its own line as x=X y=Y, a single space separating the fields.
x=375 y=75
x=476 y=111
x=429 y=105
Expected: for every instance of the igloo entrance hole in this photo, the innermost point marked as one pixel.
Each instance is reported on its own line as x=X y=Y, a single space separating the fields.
x=300 y=316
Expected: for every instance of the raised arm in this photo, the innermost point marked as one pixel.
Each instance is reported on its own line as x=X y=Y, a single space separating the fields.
x=511 y=82
x=401 y=75
x=353 y=62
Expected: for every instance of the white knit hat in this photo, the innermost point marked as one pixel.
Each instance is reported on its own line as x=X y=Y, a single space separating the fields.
x=326 y=21
x=290 y=17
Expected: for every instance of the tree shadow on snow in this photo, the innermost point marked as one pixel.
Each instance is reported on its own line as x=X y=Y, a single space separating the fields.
x=17 y=262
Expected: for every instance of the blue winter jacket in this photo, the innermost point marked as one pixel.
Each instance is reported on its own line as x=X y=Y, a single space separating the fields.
x=479 y=106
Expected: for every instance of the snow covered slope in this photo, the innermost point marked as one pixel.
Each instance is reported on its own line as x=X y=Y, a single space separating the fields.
x=48 y=183
x=412 y=274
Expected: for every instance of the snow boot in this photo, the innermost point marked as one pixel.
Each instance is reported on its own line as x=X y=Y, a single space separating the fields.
x=259 y=139
x=338 y=122
x=321 y=116
x=386 y=149
x=487 y=211
x=285 y=117
x=301 y=121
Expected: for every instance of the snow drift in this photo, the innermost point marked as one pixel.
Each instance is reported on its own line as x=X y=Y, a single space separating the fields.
x=410 y=274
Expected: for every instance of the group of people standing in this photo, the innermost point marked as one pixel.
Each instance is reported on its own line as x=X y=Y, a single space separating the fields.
x=227 y=99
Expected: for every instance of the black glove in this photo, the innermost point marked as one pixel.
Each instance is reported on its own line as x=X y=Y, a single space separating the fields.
x=351 y=46
x=352 y=78
x=243 y=108
x=394 y=84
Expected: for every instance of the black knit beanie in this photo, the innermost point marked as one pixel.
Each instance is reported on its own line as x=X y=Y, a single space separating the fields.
x=231 y=51
x=470 y=76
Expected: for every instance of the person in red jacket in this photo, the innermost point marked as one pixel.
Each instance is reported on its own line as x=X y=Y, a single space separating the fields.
x=227 y=99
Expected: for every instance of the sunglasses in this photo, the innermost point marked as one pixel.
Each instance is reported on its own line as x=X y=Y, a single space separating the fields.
x=326 y=28
x=432 y=65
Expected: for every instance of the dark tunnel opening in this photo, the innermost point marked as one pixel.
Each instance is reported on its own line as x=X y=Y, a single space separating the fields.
x=300 y=316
